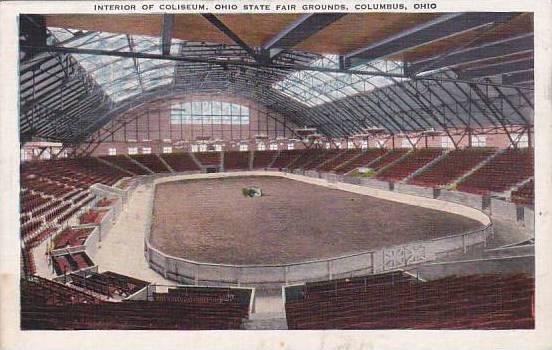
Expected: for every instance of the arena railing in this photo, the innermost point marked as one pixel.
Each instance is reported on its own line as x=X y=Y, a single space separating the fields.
x=369 y=262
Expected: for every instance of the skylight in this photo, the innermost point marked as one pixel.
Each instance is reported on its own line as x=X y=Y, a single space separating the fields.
x=120 y=77
x=314 y=88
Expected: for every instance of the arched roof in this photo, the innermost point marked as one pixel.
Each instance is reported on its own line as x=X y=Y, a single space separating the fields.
x=337 y=72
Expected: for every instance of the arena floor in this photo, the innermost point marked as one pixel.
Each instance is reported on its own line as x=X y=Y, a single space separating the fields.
x=209 y=220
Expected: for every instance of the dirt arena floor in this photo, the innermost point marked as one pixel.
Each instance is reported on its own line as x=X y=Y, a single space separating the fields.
x=209 y=220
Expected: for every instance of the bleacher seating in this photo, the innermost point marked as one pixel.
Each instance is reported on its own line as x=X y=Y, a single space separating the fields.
x=285 y=157
x=56 y=175
x=409 y=164
x=263 y=159
x=364 y=159
x=125 y=163
x=56 y=306
x=180 y=161
x=340 y=159
x=37 y=290
x=208 y=158
x=306 y=157
x=108 y=283
x=501 y=173
x=236 y=160
x=399 y=301
x=525 y=194
x=38 y=238
x=72 y=237
x=152 y=162
x=65 y=264
x=92 y=217
x=105 y=202
x=28 y=266
x=326 y=156
x=453 y=165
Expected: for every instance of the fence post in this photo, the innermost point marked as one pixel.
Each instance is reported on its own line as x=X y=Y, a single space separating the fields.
x=372 y=261
x=196 y=277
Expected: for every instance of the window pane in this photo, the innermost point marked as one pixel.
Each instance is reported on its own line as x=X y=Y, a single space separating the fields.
x=208 y=112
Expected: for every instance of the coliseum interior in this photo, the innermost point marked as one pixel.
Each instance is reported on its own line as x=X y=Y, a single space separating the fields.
x=392 y=154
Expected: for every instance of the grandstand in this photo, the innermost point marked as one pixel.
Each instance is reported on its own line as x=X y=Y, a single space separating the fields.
x=277 y=178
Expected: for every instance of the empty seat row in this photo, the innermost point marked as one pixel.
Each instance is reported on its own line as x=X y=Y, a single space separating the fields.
x=452 y=166
x=388 y=301
x=407 y=165
x=180 y=161
x=500 y=173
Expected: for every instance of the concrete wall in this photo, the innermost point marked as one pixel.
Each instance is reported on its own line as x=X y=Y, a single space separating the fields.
x=365 y=181
x=469 y=199
x=529 y=219
x=91 y=243
x=413 y=189
x=503 y=210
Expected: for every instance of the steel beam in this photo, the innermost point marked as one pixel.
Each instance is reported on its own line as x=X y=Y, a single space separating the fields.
x=124 y=54
x=519 y=77
x=498 y=69
x=166 y=33
x=440 y=28
x=301 y=29
x=509 y=103
x=229 y=33
x=514 y=45
x=483 y=97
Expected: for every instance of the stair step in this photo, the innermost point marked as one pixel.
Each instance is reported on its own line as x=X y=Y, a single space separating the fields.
x=267 y=321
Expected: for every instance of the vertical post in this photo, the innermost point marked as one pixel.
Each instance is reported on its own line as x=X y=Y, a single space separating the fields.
x=329 y=269
x=196 y=277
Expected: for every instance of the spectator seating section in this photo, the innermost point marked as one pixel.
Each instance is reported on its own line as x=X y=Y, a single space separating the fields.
x=285 y=157
x=41 y=291
x=65 y=264
x=125 y=163
x=398 y=301
x=92 y=217
x=236 y=160
x=525 y=194
x=366 y=158
x=340 y=159
x=43 y=234
x=208 y=158
x=152 y=162
x=306 y=157
x=56 y=306
x=108 y=283
x=326 y=156
x=501 y=173
x=409 y=164
x=28 y=267
x=180 y=161
x=105 y=202
x=263 y=159
x=452 y=166
x=72 y=237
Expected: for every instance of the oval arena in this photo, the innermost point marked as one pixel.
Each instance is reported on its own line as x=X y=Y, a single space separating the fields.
x=204 y=230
